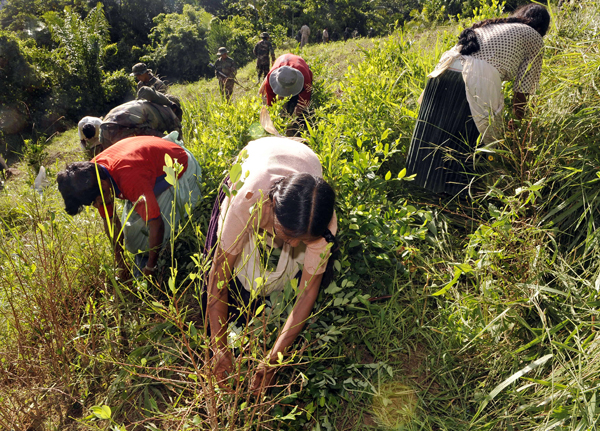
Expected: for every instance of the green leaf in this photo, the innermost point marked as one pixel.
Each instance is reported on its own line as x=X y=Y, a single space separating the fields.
x=291 y=415
x=447 y=286
x=332 y=288
x=464 y=267
x=388 y=176
x=337 y=265
x=259 y=310
x=169 y=175
x=235 y=173
x=510 y=380
x=402 y=174
x=102 y=412
x=168 y=161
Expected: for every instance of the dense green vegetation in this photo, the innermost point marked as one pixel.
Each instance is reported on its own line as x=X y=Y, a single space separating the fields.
x=445 y=314
x=62 y=60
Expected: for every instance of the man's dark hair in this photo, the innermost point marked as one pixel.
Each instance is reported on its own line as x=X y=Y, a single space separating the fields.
x=304 y=204
x=79 y=186
x=534 y=15
x=89 y=130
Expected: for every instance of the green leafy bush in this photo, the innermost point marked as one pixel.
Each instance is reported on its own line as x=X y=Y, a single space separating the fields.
x=236 y=34
x=118 y=88
x=179 y=48
x=78 y=66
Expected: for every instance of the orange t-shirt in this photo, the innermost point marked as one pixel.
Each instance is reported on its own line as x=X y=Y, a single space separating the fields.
x=135 y=166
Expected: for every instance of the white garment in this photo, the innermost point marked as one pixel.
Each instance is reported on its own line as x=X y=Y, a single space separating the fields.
x=89 y=143
x=483 y=88
x=268 y=160
x=484 y=94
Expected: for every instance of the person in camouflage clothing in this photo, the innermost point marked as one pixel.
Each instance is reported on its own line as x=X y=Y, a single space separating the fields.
x=225 y=69
x=261 y=51
x=137 y=118
x=145 y=78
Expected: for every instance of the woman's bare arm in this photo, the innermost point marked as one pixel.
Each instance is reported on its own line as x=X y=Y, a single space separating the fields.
x=519 y=105
x=308 y=291
x=218 y=294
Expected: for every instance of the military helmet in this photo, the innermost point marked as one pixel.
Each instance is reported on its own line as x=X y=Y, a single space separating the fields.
x=222 y=51
x=264 y=35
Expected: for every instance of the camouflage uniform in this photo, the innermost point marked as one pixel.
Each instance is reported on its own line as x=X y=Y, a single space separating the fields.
x=347 y=34
x=135 y=118
x=262 y=50
x=225 y=69
x=155 y=83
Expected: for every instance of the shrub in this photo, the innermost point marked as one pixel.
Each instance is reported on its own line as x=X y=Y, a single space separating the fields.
x=236 y=34
x=179 y=48
x=118 y=88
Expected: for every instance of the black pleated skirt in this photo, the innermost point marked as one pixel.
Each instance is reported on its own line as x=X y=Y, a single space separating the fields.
x=443 y=142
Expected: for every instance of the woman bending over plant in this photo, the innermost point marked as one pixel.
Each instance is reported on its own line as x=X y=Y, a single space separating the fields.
x=279 y=199
x=463 y=98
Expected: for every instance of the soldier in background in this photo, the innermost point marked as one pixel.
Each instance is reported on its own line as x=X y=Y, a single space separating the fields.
x=150 y=88
x=347 y=34
x=325 y=36
x=261 y=51
x=305 y=31
x=145 y=78
x=225 y=69
x=355 y=34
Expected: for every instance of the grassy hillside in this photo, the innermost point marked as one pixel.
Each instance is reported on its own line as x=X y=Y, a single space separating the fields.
x=444 y=315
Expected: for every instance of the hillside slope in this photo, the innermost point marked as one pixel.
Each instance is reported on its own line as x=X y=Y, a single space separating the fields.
x=444 y=314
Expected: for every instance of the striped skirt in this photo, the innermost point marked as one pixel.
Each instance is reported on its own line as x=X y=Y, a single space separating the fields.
x=443 y=142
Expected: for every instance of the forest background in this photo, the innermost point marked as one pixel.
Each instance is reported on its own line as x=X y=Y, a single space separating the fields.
x=61 y=60
x=445 y=314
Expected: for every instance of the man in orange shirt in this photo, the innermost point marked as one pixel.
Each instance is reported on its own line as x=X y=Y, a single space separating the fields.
x=133 y=169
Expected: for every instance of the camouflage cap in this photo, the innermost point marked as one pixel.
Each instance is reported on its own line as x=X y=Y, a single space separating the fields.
x=264 y=35
x=139 y=69
x=222 y=51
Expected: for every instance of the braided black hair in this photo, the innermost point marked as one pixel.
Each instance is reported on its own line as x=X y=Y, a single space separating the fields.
x=534 y=15
x=304 y=204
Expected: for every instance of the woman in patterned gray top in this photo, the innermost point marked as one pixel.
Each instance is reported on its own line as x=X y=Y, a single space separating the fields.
x=463 y=98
